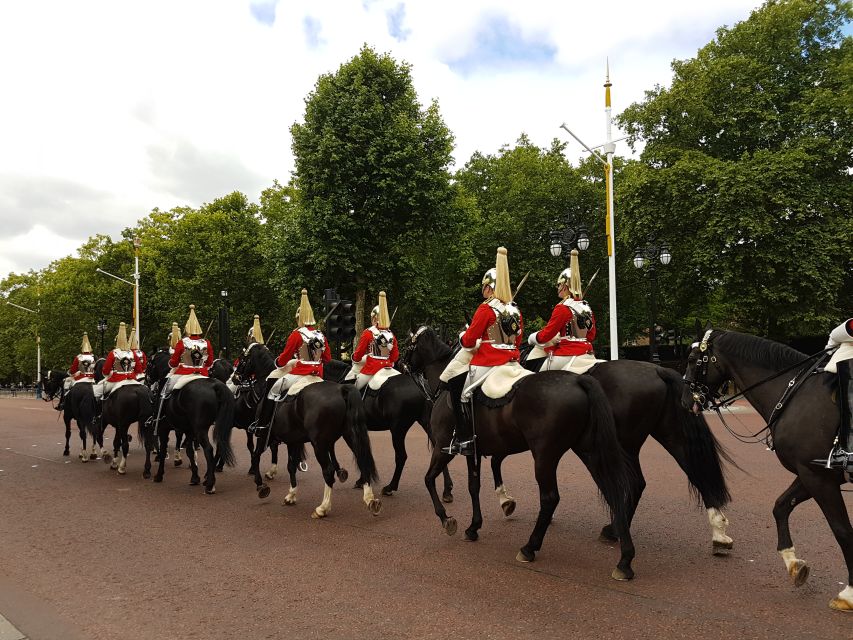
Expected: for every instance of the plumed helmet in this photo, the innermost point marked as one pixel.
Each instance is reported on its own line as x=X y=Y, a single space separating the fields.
x=121 y=338
x=380 y=311
x=86 y=346
x=305 y=315
x=255 y=334
x=490 y=278
x=571 y=277
x=175 y=335
x=502 y=288
x=134 y=343
x=192 y=327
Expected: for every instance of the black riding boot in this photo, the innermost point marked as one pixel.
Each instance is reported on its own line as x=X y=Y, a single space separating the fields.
x=266 y=411
x=842 y=453
x=463 y=435
x=62 y=394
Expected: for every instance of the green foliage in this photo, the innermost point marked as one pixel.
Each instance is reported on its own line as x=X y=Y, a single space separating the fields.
x=746 y=171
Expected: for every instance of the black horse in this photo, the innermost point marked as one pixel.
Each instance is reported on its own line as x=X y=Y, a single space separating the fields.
x=321 y=414
x=124 y=406
x=802 y=418
x=548 y=414
x=191 y=410
x=79 y=406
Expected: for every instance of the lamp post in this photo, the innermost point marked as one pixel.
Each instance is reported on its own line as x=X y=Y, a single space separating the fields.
x=135 y=284
x=102 y=326
x=649 y=255
x=224 y=325
x=571 y=237
x=38 y=343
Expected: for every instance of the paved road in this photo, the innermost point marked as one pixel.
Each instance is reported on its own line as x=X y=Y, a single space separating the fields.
x=85 y=553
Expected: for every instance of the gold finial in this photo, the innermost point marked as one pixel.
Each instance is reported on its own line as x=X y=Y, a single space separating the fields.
x=607 y=85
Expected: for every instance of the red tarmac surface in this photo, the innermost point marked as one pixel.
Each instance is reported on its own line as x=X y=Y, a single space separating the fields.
x=85 y=553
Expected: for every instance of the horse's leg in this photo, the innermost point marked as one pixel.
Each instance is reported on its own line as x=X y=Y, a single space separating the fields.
x=340 y=472
x=84 y=457
x=438 y=463
x=125 y=449
x=826 y=491
x=324 y=458
x=262 y=488
x=272 y=472
x=638 y=485
x=180 y=438
x=210 y=459
x=116 y=447
x=506 y=501
x=161 y=453
x=67 y=420
x=146 y=439
x=190 y=451
x=447 y=494
x=398 y=438
x=793 y=495
x=292 y=465
x=545 y=466
x=250 y=445
x=474 y=462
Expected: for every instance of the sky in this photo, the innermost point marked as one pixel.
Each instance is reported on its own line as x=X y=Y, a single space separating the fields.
x=110 y=109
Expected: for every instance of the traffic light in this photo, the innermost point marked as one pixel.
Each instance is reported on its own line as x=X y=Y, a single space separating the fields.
x=670 y=336
x=659 y=334
x=346 y=320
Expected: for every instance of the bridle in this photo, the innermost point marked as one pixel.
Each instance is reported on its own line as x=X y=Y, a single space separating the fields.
x=704 y=396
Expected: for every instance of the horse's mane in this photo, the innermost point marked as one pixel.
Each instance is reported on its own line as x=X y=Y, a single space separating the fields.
x=756 y=349
x=441 y=350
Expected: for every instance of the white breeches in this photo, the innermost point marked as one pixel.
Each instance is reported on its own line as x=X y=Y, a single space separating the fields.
x=67 y=383
x=460 y=364
x=282 y=385
x=102 y=388
x=558 y=363
x=476 y=377
x=355 y=371
x=362 y=380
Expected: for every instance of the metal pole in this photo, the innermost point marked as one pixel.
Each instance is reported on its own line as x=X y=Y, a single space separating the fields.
x=653 y=343
x=136 y=245
x=609 y=149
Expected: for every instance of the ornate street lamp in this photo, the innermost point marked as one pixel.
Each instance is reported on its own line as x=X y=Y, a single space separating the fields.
x=649 y=255
x=102 y=326
x=572 y=237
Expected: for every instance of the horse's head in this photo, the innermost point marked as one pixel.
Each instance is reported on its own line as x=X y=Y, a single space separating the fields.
x=252 y=362
x=423 y=349
x=221 y=369
x=705 y=374
x=158 y=367
x=51 y=382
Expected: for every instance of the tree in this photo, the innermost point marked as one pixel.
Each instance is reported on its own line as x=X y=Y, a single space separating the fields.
x=746 y=171
x=376 y=208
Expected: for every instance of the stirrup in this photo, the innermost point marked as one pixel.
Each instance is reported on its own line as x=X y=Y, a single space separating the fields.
x=838 y=459
x=462 y=448
x=255 y=428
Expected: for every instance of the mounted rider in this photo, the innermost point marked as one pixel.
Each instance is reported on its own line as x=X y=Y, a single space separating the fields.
x=120 y=365
x=141 y=358
x=82 y=370
x=303 y=356
x=377 y=347
x=841 y=363
x=491 y=341
x=191 y=356
x=566 y=341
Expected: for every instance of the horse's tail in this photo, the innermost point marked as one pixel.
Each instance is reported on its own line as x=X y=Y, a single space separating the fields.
x=87 y=410
x=146 y=410
x=357 y=426
x=608 y=463
x=702 y=450
x=224 y=422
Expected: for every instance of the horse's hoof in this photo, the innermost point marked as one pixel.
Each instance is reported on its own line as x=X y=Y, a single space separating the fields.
x=374 y=506
x=250 y=472
x=508 y=508
x=220 y=469
x=195 y=481
x=158 y=478
x=837 y=604
x=108 y=457
x=178 y=463
x=114 y=465
x=720 y=548
x=317 y=514
x=269 y=475
x=93 y=456
x=622 y=575
x=525 y=556
x=263 y=491
x=447 y=498
x=387 y=491
x=799 y=572
x=121 y=471
x=66 y=453
x=146 y=474
x=449 y=526
x=209 y=491
x=83 y=459
x=471 y=535
x=343 y=475
x=288 y=501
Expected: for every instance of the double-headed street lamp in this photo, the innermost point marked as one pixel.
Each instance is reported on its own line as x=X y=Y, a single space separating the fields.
x=102 y=326
x=571 y=237
x=649 y=255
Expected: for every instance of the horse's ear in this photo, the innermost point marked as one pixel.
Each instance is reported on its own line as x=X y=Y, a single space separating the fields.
x=708 y=326
x=698 y=329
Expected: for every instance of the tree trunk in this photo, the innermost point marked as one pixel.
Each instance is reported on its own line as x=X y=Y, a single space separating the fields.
x=359 y=317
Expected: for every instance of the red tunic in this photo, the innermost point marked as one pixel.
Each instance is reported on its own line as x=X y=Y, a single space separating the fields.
x=291 y=351
x=373 y=364
x=487 y=355
x=561 y=316
x=182 y=369
x=75 y=368
x=116 y=376
x=141 y=360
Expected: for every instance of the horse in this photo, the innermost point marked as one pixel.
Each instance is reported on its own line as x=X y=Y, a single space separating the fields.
x=125 y=405
x=79 y=406
x=548 y=414
x=192 y=410
x=321 y=414
x=221 y=370
x=802 y=420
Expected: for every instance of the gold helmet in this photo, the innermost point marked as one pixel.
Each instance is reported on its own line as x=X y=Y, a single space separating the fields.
x=134 y=343
x=192 y=327
x=380 y=312
x=490 y=278
x=305 y=315
x=121 y=338
x=255 y=334
x=571 y=277
x=86 y=346
x=175 y=335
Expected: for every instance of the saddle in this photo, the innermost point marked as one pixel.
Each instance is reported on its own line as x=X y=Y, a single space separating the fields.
x=498 y=387
x=298 y=386
x=184 y=380
x=381 y=377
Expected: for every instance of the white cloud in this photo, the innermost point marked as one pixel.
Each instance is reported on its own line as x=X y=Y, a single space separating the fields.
x=111 y=109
